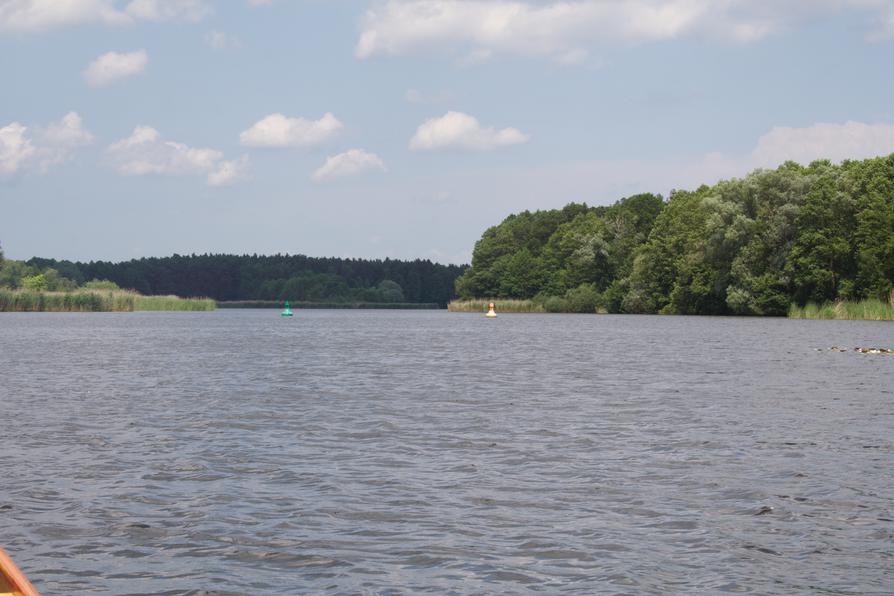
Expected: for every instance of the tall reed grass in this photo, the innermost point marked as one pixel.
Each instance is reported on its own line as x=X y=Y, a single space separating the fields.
x=173 y=303
x=864 y=310
x=77 y=301
x=500 y=305
x=94 y=301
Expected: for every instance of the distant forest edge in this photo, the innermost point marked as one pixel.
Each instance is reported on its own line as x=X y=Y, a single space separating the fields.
x=758 y=245
x=228 y=278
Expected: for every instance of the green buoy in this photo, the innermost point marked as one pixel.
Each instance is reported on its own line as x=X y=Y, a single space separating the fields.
x=287 y=312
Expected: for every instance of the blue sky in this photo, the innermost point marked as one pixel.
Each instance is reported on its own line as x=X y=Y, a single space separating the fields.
x=404 y=128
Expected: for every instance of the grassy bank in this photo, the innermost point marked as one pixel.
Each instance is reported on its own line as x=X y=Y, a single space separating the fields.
x=865 y=310
x=94 y=301
x=340 y=305
x=500 y=305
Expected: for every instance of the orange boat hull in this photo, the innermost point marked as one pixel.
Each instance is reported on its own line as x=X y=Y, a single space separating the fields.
x=12 y=581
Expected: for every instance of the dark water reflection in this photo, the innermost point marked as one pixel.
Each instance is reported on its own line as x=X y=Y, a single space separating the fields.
x=410 y=452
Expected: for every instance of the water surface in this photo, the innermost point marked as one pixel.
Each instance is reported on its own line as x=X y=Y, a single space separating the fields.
x=410 y=452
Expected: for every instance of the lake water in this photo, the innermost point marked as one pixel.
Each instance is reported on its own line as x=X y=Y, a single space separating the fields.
x=409 y=452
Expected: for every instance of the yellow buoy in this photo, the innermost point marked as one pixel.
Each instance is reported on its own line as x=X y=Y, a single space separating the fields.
x=491 y=313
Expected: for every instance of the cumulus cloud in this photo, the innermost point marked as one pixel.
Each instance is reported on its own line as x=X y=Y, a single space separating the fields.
x=57 y=142
x=565 y=29
x=40 y=15
x=229 y=172
x=277 y=130
x=15 y=148
x=112 y=66
x=455 y=129
x=349 y=163
x=145 y=152
x=47 y=146
x=851 y=140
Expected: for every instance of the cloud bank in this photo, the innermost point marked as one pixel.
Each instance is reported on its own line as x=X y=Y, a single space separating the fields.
x=32 y=16
x=565 y=30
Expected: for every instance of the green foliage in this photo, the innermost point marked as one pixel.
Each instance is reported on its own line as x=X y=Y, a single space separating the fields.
x=35 y=283
x=584 y=298
x=100 y=284
x=390 y=291
x=750 y=246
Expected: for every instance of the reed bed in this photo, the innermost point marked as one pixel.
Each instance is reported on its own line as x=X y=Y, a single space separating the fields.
x=500 y=305
x=95 y=301
x=77 y=301
x=864 y=310
x=173 y=303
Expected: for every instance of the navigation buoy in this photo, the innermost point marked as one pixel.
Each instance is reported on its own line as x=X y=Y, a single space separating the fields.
x=287 y=312
x=491 y=314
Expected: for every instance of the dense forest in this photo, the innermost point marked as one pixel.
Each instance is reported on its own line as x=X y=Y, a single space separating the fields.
x=751 y=246
x=248 y=277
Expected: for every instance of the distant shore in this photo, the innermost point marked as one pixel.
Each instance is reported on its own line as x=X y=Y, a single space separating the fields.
x=331 y=305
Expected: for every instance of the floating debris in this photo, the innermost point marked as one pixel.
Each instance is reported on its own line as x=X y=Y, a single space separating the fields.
x=874 y=350
x=861 y=350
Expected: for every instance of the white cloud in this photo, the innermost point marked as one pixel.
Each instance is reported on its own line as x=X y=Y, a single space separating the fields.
x=851 y=140
x=222 y=41
x=57 y=142
x=144 y=152
x=15 y=148
x=455 y=129
x=190 y=11
x=40 y=15
x=47 y=146
x=113 y=65
x=228 y=172
x=260 y=2
x=277 y=130
x=349 y=163
x=564 y=30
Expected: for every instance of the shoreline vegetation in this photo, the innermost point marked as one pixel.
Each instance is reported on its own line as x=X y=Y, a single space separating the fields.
x=821 y=234
x=331 y=305
x=864 y=310
x=24 y=300
x=501 y=305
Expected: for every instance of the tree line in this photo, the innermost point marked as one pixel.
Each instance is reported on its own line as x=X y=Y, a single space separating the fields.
x=749 y=246
x=247 y=277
